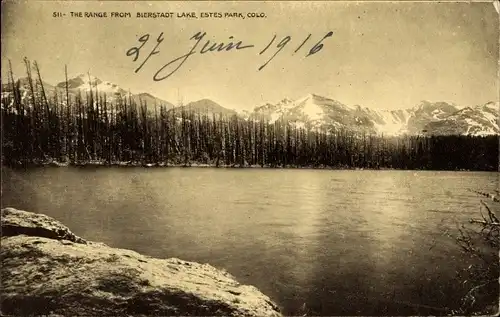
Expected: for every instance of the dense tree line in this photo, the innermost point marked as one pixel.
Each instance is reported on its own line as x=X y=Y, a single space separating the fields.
x=87 y=128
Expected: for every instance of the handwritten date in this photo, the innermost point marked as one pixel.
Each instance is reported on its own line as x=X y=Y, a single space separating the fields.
x=212 y=46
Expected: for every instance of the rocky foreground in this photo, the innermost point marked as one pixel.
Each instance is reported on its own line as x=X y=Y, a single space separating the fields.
x=48 y=270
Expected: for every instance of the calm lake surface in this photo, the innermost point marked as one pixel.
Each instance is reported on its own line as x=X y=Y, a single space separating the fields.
x=317 y=241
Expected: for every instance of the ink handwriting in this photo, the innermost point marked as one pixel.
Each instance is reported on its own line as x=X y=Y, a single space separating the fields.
x=210 y=46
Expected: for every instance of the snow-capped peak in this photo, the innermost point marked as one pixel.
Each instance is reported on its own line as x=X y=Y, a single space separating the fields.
x=494 y=106
x=86 y=82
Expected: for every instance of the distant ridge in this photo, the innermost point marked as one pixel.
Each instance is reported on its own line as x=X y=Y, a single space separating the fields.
x=206 y=106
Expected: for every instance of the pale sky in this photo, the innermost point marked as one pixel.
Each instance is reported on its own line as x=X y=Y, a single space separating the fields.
x=386 y=55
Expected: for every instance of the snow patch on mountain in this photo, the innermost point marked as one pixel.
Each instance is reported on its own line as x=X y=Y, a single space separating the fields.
x=311 y=109
x=390 y=122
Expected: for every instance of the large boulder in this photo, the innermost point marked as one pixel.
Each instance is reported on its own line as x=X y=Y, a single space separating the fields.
x=18 y=222
x=47 y=270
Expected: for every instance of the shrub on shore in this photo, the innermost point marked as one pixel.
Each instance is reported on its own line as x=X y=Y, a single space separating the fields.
x=479 y=240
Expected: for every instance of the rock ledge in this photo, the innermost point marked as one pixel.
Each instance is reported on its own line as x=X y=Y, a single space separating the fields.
x=48 y=270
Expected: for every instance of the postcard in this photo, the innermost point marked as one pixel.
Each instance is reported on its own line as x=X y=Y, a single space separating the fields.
x=250 y=158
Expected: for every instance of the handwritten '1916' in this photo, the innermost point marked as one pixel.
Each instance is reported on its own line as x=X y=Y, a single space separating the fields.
x=209 y=46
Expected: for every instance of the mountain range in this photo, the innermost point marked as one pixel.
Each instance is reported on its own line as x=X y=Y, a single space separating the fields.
x=315 y=112
x=436 y=118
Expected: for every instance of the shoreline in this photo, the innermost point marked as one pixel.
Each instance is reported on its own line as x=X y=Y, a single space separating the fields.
x=53 y=163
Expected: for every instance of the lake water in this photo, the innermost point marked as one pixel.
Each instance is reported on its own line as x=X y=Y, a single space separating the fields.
x=317 y=241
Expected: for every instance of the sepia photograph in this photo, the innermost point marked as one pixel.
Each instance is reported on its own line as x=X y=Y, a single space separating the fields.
x=250 y=158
